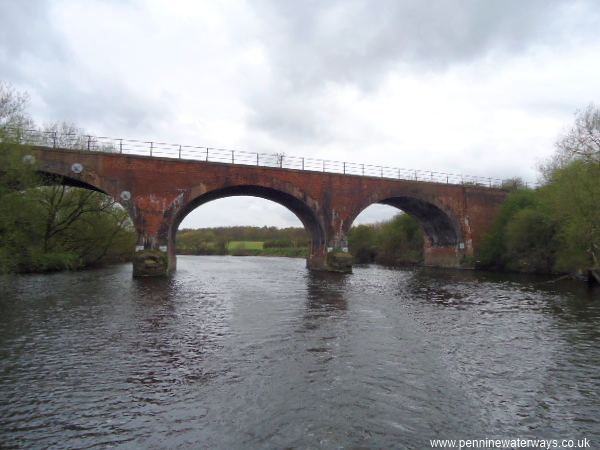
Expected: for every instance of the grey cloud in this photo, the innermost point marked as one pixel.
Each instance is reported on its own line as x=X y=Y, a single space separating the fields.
x=313 y=43
x=294 y=117
x=357 y=41
x=34 y=56
x=104 y=102
x=26 y=28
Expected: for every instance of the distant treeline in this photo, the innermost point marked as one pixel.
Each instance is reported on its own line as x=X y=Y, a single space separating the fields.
x=243 y=240
x=397 y=241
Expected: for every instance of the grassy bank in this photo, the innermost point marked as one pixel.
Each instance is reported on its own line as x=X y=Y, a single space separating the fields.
x=211 y=242
x=254 y=248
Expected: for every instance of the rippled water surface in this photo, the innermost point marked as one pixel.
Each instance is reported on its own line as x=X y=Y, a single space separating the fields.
x=236 y=353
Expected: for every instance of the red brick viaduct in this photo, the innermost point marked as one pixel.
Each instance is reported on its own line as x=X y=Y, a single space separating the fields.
x=160 y=192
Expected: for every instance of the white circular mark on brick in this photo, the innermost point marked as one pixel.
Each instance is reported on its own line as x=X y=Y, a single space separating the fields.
x=76 y=168
x=28 y=159
x=125 y=195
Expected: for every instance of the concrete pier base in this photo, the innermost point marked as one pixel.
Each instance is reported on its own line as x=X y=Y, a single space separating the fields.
x=333 y=261
x=150 y=263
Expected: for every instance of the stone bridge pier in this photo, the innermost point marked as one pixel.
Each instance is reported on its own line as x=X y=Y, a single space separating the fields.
x=158 y=193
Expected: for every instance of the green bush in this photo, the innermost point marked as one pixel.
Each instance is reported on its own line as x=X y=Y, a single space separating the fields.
x=52 y=262
x=493 y=251
x=278 y=243
x=555 y=228
x=397 y=241
x=531 y=241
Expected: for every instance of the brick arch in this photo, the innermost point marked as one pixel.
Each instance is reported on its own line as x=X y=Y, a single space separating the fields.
x=49 y=178
x=298 y=203
x=439 y=224
x=60 y=172
x=89 y=180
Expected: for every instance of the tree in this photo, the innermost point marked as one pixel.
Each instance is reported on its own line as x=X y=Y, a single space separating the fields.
x=493 y=251
x=361 y=243
x=573 y=196
x=397 y=241
x=50 y=227
x=573 y=191
x=555 y=227
x=400 y=241
x=581 y=142
x=512 y=184
x=12 y=108
x=531 y=241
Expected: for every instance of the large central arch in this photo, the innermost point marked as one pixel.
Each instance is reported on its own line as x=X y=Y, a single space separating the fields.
x=299 y=207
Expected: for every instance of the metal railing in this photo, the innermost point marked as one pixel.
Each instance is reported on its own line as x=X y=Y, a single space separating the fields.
x=70 y=141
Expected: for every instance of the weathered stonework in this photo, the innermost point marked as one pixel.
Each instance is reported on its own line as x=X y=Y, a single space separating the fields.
x=150 y=263
x=339 y=261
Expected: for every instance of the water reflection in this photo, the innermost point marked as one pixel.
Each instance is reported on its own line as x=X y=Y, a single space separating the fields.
x=326 y=291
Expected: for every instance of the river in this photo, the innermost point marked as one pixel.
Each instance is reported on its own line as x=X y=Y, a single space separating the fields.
x=251 y=352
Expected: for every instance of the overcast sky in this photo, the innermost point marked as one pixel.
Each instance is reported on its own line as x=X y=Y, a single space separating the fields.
x=466 y=86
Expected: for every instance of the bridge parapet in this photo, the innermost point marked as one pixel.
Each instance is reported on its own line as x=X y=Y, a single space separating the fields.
x=136 y=147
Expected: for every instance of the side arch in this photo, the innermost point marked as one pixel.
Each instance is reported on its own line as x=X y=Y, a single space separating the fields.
x=92 y=183
x=50 y=179
x=89 y=182
x=298 y=204
x=439 y=225
x=444 y=243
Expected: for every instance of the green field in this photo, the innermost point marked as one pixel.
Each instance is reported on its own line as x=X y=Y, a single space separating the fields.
x=244 y=245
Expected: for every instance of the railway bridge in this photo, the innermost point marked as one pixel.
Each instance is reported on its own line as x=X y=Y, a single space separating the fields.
x=159 y=184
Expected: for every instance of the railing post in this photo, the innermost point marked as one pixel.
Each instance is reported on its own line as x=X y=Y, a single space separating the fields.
x=88 y=142
x=416 y=178
x=206 y=154
x=447 y=179
x=431 y=176
x=54 y=139
x=381 y=171
x=344 y=168
x=257 y=159
x=120 y=145
x=490 y=182
x=399 y=173
x=151 y=147
x=232 y=157
x=302 y=163
x=179 y=154
x=363 y=169
x=281 y=162
x=323 y=165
